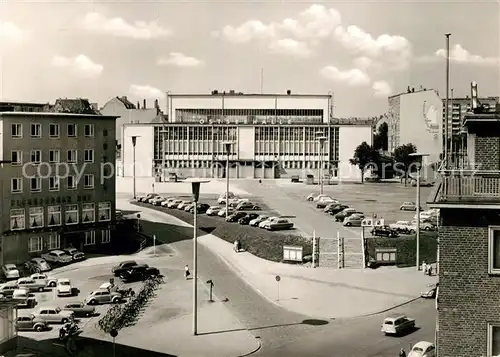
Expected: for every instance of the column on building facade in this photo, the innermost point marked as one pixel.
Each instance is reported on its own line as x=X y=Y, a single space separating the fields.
x=304 y=152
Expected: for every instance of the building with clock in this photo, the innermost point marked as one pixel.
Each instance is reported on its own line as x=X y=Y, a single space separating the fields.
x=273 y=136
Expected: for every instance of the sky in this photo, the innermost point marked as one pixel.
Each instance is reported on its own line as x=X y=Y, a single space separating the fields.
x=361 y=51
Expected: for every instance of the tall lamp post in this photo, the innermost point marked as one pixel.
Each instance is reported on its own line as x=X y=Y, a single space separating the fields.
x=134 y=142
x=321 y=139
x=418 y=157
x=195 y=186
x=227 y=147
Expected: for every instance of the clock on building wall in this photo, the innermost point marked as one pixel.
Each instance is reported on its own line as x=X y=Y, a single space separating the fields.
x=431 y=117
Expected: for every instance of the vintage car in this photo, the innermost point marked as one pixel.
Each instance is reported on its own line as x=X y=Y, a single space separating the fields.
x=256 y=221
x=147 y=197
x=44 y=279
x=10 y=271
x=213 y=210
x=8 y=288
x=75 y=254
x=340 y=216
x=31 y=323
x=247 y=206
x=222 y=198
x=325 y=201
x=200 y=208
x=430 y=293
x=235 y=216
x=80 y=309
x=103 y=296
x=222 y=212
x=64 y=287
x=57 y=256
x=139 y=273
x=423 y=349
x=54 y=315
x=408 y=206
x=278 y=224
x=246 y=219
x=37 y=265
x=354 y=220
x=397 y=324
x=31 y=284
x=403 y=227
x=384 y=231
x=123 y=266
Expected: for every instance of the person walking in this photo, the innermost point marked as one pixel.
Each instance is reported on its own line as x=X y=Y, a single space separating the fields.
x=187 y=273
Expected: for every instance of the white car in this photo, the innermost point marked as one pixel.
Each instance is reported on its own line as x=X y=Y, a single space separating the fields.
x=10 y=271
x=222 y=197
x=47 y=280
x=174 y=203
x=325 y=201
x=222 y=212
x=423 y=349
x=428 y=214
x=403 y=227
x=64 y=287
x=183 y=204
x=57 y=256
x=268 y=221
x=315 y=197
x=213 y=210
x=167 y=201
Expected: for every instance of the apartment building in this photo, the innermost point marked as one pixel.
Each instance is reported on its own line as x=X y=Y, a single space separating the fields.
x=469 y=245
x=59 y=189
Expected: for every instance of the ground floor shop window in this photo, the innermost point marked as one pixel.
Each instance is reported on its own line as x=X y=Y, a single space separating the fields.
x=88 y=213
x=105 y=236
x=54 y=241
x=104 y=211
x=54 y=215
x=36 y=217
x=494 y=340
x=90 y=238
x=17 y=219
x=35 y=244
x=71 y=214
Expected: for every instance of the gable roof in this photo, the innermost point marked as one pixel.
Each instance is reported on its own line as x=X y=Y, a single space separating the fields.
x=73 y=106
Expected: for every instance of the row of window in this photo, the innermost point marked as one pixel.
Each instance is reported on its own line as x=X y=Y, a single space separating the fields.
x=35 y=156
x=54 y=217
x=54 y=130
x=16 y=183
x=204 y=164
x=36 y=243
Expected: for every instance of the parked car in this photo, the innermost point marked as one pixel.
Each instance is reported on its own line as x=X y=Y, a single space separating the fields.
x=80 y=309
x=423 y=349
x=146 y=197
x=213 y=210
x=188 y=207
x=246 y=219
x=75 y=254
x=64 y=287
x=174 y=203
x=200 y=208
x=31 y=323
x=222 y=198
x=57 y=256
x=24 y=298
x=426 y=226
x=334 y=207
x=222 y=212
x=325 y=201
x=103 y=296
x=54 y=315
x=37 y=265
x=139 y=274
x=397 y=324
x=44 y=279
x=8 y=288
x=10 y=271
x=403 y=227
x=339 y=217
x=123 y=266
x=423 y=183
x=183 y=204
x=235 y=201
x=247 y=206
x=431 y=213
x=384 y=231
x=31 y=284
x=430 y=293
x=156 y=201
x=353 y=220
x=167 y=201
x=278 y=224
x=315 y=197
x=256 y=221
x=235 y=216
x=267 y=221
x=408 y=206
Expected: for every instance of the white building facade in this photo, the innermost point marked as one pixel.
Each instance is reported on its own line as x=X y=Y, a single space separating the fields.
x=273 y=136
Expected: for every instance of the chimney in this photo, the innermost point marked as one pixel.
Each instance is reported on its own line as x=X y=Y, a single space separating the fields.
x=156 y=104
x=413 y=90
x=408 y=90
x=144 y=104
x=138 y=105
x=288 y=92
x=473 y=94
x=124 y=97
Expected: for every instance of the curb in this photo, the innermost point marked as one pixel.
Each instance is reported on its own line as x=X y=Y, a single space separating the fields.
x=390 y=308
x=259 y=346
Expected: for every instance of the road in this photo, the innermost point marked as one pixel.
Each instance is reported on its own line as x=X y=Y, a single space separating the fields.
x=284 y=333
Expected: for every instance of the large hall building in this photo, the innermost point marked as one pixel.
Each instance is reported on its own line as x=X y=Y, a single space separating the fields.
x=273 y=136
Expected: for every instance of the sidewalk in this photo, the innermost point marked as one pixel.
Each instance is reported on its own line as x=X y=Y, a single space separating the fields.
x=319 y=292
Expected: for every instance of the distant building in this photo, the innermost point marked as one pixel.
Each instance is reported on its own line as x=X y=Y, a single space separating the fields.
x=23 y=107
x=415 y=117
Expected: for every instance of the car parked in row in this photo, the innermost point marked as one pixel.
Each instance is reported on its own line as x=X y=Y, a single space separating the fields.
x=123 y=266
x=248 y=218
x=184 y=204
x=256 y=221
x=314 y=197
x=222 y=212
x=57 y=256
x=334 y=208
x=408 y=206
x=213 y=210
x=103 y=296
x=222 y=198
x=139 y=273
x=7 y=289
x=278 y=224
x=354 y=220
x=146 y=197
x=235 y=216
x=44 y=279
x=341 y=216
x=325 y=201
x=424 y=225
x=404 y=227
x=200 y=208
x=31 y=284
x=54 y=315
x=384 y=231
x=75 y=254
x=24 y=298
x=80 y=309
x=247 y=206
x=10 y=271
x=174 y=203
x=37 y=265
x=268 y=220
x=156 y=201
x=31 y=323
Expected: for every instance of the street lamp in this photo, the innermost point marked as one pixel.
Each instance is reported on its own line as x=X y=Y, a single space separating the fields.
x=227 y=146
x=321 y=139
x=418 y=157
x=134 y=142
x=195 y=186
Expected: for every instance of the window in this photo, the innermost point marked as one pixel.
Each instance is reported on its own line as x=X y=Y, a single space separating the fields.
x=89 y=130
x=88 y=213
x=493 y=340
x=16 y=157
x=36 y=217
x=88 y=181
x=54 y=216
x=105 y=236
x=104 y=211
x=54 y=156
x=16 y=185
x=54 y=241
x=36 y=156
x=72 y=156
x=71 y=130
x=71 y=216
x=16 y=130
x=17 y=219
x=54 y=130
x=36 y=130
x=90 y=238
x=54 y=183
x=36 y=184
x=494 y=250
x=35 y=245
x=71 y=182
x=89 y=155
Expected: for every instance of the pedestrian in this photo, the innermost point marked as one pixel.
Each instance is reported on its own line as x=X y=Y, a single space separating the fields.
x=424 y=267
x=186 y=272
x=402 y=353
x=236 y=246
x=429 y=270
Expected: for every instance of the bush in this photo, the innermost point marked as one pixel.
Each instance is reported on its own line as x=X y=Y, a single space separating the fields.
x=261 y=243
x=406 y=248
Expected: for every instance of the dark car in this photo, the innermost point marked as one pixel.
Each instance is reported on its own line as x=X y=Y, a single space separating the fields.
x=339 y=217
x=335 y=208
x=384 y=231
x=124 y=266
x=235 y=216
x=75 y=254
x=247 y=218
x=139 y=273
x=201 y=208
x=80 y=309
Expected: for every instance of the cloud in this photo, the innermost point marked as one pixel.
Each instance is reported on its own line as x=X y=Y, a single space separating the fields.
x=381 y=88
x=146 y=92
x=291 y=47
x=394 y=50
x=461 y=55
x=80 y=65
x=178 y=59
x=139 y=30
x=363 y=62
x=10 y=32
x=316 y=21
x=246 y=32
x=353 y=77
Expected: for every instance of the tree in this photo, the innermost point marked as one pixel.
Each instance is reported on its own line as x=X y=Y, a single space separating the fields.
x=365 y=157
x=403 y=159
x=381 y=138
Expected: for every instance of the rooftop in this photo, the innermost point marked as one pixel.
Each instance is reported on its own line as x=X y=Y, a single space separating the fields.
x=52 y=114
x=248 y=95
x=413 y=91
